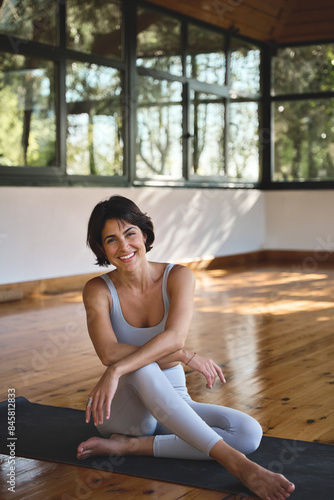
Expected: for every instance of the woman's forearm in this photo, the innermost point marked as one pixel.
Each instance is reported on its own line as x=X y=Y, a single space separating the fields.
x=182 y=355
x=118 y=352
x=122 y=351
x=161 y=347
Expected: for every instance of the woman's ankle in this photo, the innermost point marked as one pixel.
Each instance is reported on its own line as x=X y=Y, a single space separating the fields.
x=142 y=445
x=232 y=460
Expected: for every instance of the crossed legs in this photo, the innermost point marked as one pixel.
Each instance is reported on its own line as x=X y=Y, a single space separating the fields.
x=146 y=402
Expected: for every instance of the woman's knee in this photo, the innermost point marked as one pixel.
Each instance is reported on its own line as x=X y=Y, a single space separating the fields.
x=145 y=375
x=250 y=432
x=241 y=431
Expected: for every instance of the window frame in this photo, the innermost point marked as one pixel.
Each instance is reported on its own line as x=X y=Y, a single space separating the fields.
x=223 y=91
x=58 y=54
x=268 y=183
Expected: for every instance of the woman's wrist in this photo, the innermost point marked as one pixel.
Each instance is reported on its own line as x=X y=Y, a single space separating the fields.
x=186 y=355
x=190 y=358
x=115 y=369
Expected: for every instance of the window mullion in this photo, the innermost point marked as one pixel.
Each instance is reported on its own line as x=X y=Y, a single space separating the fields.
x=227 y=103
x=265 y=142
x=130 y=91
x=186 y=133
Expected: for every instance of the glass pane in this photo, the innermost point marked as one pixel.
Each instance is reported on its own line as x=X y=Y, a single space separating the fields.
x=29 y=19
x=303 y=69
x=206 y=59
x=245 y=69
x=159 y=128
x=304 y=140
x=95 y=27
x=243 y=142
x=94 y=120
x=158 y=42
x=207 y=130
x=27 y=111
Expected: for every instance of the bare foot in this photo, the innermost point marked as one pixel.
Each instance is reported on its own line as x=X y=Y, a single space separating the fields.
x=117 y=444
x=264 y=483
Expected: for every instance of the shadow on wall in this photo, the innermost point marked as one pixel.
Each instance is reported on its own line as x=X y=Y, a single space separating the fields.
x=192 y=224
x=44 y=232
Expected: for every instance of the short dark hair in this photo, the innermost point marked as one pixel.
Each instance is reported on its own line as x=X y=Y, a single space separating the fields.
x=122 y=209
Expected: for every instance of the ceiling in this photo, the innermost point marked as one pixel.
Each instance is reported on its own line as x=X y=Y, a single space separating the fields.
x=278 y=21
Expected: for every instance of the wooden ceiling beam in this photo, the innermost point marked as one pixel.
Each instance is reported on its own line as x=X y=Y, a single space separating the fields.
x=282 y=19
x=270 y=21
x=311 y=5
x=307 y=32
x=318 y=16
x=270 y=7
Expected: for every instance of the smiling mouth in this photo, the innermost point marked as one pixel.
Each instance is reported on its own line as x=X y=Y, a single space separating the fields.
x=127 y=257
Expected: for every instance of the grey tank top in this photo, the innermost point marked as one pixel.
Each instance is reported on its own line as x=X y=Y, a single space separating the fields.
x=126 y=333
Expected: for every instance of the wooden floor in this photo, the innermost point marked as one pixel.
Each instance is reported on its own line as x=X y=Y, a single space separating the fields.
x=271 y=328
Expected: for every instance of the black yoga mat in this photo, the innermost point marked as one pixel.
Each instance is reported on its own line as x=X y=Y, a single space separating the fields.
x=53 y=433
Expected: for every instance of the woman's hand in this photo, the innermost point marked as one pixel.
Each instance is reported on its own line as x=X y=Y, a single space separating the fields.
x=102 y=395
x=207 y=367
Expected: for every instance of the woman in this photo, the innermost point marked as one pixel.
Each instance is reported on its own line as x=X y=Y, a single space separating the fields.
x=138 y=318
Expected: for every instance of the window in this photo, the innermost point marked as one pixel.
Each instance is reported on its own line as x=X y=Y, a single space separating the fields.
x=245 y=69
x=243 y=142
x=159 y=129
x=29 y=20
x=121 y=93
x=207 y=135
x=95 y=27
x=198 y=103
x=243 y=158
x=206 y=58
x=303 y=113
x=158 y=41
x=94 y=120
x=27 y=112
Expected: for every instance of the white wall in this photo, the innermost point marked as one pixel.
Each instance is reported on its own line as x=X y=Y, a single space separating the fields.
x=299 y=220
x=43 y=230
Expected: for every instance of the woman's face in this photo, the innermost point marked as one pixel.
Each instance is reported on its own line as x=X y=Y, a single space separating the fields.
x=123 y=243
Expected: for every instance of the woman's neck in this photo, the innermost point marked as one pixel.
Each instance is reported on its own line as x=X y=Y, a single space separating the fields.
x=139 y=279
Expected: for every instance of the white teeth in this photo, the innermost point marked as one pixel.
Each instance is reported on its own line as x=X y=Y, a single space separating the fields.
x=127 y=256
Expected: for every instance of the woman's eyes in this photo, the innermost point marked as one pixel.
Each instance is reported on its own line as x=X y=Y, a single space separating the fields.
x=112 y=240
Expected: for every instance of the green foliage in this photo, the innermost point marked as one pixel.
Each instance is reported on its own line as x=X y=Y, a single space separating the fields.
x=94 y=132
x=30 y=20
x=159 y=128
x=28 y=129
x=304 y=128
x=95 y=27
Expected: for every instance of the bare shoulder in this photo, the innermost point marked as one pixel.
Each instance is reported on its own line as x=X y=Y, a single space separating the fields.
x=95 y=290
x=180 y=270
x=181 y=277
x=93 y=285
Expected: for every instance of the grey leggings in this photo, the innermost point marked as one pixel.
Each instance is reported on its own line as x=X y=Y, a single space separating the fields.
x=155 y=402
